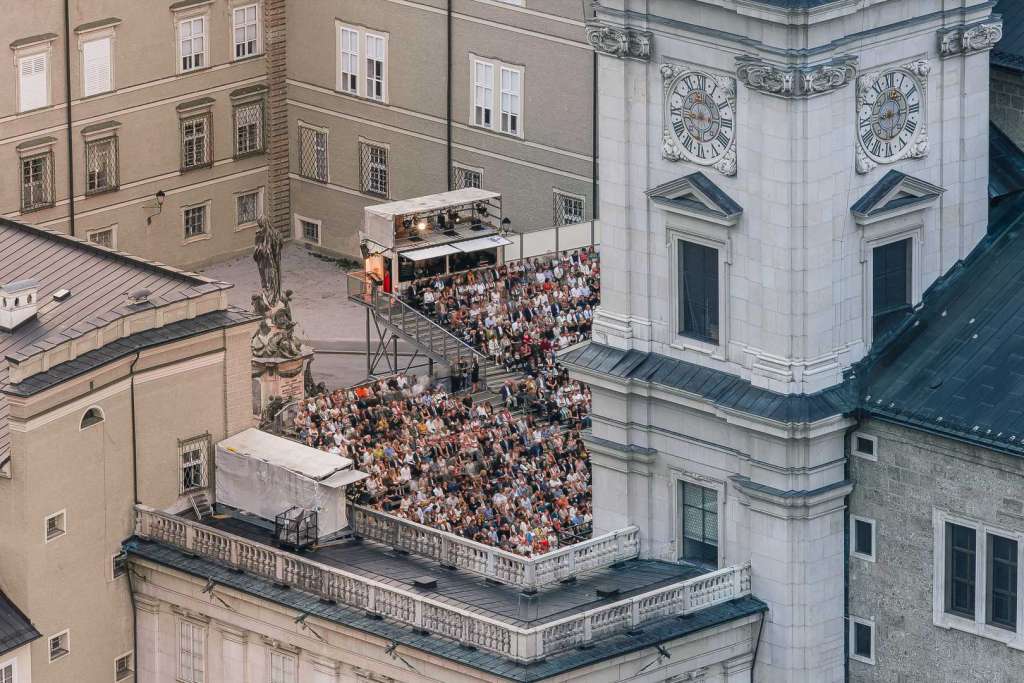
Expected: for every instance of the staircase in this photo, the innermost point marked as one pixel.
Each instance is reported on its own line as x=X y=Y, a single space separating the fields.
x=201 y=505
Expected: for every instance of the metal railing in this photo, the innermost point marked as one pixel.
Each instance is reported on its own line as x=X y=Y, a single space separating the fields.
x=493 y=563
x=405 y=607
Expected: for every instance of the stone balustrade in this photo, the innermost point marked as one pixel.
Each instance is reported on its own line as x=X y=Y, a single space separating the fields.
x=492 y=635
x=528 y=573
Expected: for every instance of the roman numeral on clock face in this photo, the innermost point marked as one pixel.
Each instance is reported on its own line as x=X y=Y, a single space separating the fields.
x=722 y=138
x=679 y=127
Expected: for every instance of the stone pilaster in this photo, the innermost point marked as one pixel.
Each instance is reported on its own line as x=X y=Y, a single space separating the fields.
x=278 y=200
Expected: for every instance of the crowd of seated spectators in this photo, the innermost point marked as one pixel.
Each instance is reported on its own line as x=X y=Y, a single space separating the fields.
x=514 y=479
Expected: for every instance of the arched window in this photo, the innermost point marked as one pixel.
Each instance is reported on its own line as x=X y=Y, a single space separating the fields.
x=17 y=301
x=92 y=416
x=29 y=300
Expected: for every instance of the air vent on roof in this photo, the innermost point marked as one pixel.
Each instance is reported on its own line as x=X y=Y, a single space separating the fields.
x=62 y=295
x=138 y=296
x=18 y=303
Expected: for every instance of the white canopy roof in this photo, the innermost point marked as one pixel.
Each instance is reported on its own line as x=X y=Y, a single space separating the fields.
x=481 y=243
x=430 y=252
x=290 y=455
x=379 y=220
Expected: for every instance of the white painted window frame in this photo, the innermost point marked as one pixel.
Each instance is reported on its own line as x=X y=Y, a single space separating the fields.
x=189 y=676
x=103 y=415
x=258 y=50
x=348 y=75
x=979 y=626
x=47 y=538
x=675 y=235
x=287 y=659
x=13 y=664
x=208 y=214
x=873 y=456
x=364 y=39
x=851 y=635
x=378 y=40
x=95 y=231
x=461 y=169
x=106 y=33
x=131 y=665
x=300 y=233
x=189 y=17
x=66 y=634
x=515 y=105
x=44 y=48
x=562 y=195
x=489 y=95
x=853 y=538
x=482 y=94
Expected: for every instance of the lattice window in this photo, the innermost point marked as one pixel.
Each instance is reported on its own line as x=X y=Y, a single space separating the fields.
x=568 y=208
x=101 y=165
x=700 y=524
x=194 y=454
x=248 y=128
x=247 y=208
x=465 y=177
x=37 y=181
x=374 y=168
x=310 y=231
x=313 y=154
x=195 y=141
x=195 y=221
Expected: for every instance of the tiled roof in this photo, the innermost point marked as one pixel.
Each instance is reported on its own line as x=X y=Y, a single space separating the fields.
x=15 y=628
x=1009 y=51
x=1005 y=165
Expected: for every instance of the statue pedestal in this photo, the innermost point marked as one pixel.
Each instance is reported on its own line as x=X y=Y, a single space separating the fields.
x=281 y=376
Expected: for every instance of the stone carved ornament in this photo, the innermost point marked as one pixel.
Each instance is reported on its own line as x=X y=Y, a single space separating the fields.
x=919 y=148
x=793 y=80
x=619 y=41
x=275 y=337
x=967 y=40
x=670 y=148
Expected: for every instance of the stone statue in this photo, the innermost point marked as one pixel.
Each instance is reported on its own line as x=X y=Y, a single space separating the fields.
x=275 y=337
x=267 y=256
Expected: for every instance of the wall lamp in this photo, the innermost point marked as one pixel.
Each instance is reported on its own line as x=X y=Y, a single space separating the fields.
x=159 y=206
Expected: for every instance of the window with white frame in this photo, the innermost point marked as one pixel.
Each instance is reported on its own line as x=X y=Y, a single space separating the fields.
x=101 y=165
x=195 y=141
x=8 y=672
x=313 y=163
x=865 y=445
x=463 y=177
x=248 y=128
x=194 y=221
x=483 y=93
x=349 y=39
x=191 y=652
x=282 y=668
x=569 y=209
x=33 y=81
x=699 y=511
x=862 y=538
x=59 y=645
x=97 y=66
x=105 y=237
x=123 y=666
x=511 y=80
x=93 y=416
x=193 y=454
x=375 y=56
x=192 y=43
x=56 y=525
x=862 y=640
x=247 y=208
x=374 y=168
x=37 y=181
x=246 y=29
x=309 y=230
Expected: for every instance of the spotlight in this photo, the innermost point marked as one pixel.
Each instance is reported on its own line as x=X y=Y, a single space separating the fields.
x=422 y=225
x=407 y=223
x=453 y=216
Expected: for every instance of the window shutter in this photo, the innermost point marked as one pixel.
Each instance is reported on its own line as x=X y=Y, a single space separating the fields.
x=32 y=78
x=96 y=66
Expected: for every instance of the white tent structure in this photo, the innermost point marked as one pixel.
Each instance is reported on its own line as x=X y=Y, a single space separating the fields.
x=265 y=475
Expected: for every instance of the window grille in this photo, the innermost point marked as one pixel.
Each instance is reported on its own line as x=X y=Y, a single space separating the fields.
x=195 y=141
x=700 y=524
x=247 y=208
x=193 y=454
x=248 y=128
x=195 y=221
x=101 y=165
x=374 y=169
x=37 y=182
x=465 y=177
x=569 y=209
x=313 y=154
x=311 y=231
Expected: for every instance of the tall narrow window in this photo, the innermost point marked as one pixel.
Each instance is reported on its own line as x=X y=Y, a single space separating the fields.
x=248 y=128
x=349 y=61
x=7 y=672
x=700 y=524
x=374 y=168
x=101 y=165
x=33 y=82
x=375 y=55
x=192 y=43
x=698 y=291
x=97 y=71
x=1002 y=582
x=193 y=453
x=483 y=93
x=891 y=286
x=246 y=30
x=960 y=566
x=862 y=640
x=313 y=153
x=191 y=651
x=510 y=94
x=282 y=668
x=247 y=208
x=195 y=142
x=37 y=181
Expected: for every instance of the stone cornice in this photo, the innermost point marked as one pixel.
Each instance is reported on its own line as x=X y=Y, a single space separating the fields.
x=619 y=41
x=792 y=80
x=967 y=39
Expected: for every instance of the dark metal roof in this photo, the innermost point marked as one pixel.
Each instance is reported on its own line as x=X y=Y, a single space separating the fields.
x=1009 y=52
x=716 y=386
x=717 y=201
x=15 y=627
x=885 y=195
x=652 y=634
x=1005 y=165
x=98 y=279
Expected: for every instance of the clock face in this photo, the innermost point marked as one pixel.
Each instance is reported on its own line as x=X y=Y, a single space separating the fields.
x=701 y=117
x=889 y=115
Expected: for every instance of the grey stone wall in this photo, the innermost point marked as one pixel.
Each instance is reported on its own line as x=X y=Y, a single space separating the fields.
x=915 y=474
x=1006 y=106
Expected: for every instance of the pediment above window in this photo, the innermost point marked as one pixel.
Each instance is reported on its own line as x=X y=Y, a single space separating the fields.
x=696 y=196
x=894 y=195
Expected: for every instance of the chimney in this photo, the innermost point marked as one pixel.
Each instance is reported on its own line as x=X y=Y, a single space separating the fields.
x=138 y=296
x=18 y=303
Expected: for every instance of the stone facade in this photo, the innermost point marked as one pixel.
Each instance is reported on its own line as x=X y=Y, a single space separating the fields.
x=1007 y=95
x=915 y=475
